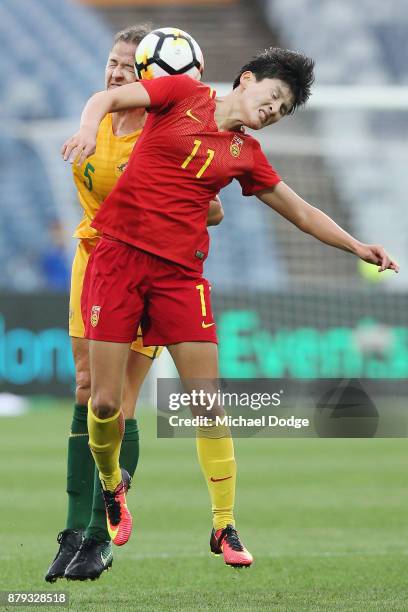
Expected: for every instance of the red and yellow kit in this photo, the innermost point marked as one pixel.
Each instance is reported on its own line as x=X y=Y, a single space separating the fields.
x=94 y=180
x=127 y=284
x=160 y=205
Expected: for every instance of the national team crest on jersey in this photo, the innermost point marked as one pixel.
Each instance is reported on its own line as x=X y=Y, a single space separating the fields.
x=236 y=146
x=95 y=315
x=121 y=166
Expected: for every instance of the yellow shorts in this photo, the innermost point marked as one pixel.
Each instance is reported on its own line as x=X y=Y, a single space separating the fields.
x=76 y=324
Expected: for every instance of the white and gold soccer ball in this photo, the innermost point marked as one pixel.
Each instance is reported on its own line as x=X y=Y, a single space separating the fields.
x=168 y=51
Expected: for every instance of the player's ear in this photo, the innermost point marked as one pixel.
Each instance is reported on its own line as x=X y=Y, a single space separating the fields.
x=246 y=78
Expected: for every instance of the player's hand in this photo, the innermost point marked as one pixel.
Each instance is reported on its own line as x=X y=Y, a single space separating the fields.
x=215 y=212
x=377 y=255
x=80 y=146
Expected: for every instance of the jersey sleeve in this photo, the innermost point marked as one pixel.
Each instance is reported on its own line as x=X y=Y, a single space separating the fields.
x=261 y=175
x=165 y=92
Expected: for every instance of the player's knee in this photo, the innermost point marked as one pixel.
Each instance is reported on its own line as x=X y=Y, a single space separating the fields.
x=104 y=406
x=83 y=387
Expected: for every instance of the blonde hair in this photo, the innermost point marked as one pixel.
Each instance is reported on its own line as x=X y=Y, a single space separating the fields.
x=132 y=34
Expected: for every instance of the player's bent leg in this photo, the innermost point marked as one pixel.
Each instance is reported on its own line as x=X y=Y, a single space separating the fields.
x=95 y=555
x=80 y=468
x=105 y=418
x=106 y=427
x=198 y=361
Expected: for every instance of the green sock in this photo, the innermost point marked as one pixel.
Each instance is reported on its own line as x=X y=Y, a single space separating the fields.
x=129 y=456
x=80 y=471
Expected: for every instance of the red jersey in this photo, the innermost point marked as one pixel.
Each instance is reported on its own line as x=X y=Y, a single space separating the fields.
x=180 y=162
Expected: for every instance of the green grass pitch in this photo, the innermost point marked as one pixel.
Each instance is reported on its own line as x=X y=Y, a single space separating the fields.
x=327 y=522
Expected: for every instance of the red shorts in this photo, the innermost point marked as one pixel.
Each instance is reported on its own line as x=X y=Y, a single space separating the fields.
x=125 y=286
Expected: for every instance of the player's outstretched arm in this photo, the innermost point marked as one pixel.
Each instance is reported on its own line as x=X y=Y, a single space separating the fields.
x=82 y=144
x=316 y=223
x=215 y=212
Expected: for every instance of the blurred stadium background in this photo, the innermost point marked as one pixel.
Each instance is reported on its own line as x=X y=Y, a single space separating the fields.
x=273 y=286
x=285 y=304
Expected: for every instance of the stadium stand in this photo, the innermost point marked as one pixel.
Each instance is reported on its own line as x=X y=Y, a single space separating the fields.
x=53 y=68
x=372 y=36
x=61 y=54
x=22 y=220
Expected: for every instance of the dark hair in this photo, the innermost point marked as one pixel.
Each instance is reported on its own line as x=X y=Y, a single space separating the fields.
x=132 y=35
x=294 y=69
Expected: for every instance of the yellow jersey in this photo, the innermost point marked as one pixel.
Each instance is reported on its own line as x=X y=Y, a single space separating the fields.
x=97 y=176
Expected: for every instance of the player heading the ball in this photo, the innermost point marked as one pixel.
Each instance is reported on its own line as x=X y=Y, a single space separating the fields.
x=193 y=144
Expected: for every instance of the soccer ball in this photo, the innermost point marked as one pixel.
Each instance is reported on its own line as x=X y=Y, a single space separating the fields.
x=168 y=51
